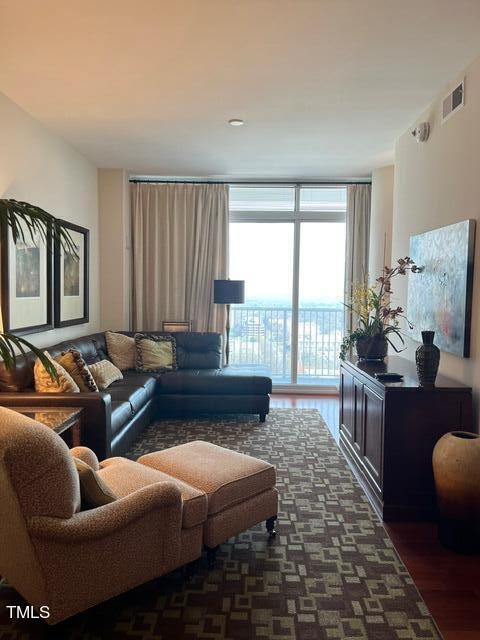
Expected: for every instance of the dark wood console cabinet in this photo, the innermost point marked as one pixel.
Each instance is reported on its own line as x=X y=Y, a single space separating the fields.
x=388 y=431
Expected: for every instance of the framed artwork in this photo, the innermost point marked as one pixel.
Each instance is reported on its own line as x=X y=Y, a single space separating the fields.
x=171 y=326
x=71 y=279
x=26 y=283
x=440 y=295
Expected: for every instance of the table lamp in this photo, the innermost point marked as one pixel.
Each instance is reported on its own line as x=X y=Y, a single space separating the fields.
x=228 y=292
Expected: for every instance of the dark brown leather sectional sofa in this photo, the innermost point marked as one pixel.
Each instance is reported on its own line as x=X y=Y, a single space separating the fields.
x=112 y=419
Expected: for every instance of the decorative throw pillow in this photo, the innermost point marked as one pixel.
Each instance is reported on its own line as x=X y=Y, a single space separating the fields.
x=121 y=350
x=73 y=362
x=155 y=353
x=93 y=490
x=105 y=373
x=45 y=384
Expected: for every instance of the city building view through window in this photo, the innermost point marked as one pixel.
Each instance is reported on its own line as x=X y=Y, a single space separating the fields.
x=288 y=244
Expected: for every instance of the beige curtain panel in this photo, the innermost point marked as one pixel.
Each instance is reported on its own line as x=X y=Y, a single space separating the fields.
x=179 y=246
x=357 y=241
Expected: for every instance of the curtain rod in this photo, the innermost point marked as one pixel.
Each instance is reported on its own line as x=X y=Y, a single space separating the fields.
x=253 y=183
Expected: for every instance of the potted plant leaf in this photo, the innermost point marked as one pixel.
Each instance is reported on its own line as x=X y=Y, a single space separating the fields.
x=29 y=221
x=378 y=321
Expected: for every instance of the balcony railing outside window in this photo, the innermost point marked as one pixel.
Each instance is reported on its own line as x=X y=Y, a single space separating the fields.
x=262 y=336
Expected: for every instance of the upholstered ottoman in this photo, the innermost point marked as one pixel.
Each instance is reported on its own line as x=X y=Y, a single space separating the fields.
x=240 y=489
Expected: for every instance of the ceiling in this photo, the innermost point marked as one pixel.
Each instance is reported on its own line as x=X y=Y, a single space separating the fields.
x=325 y=86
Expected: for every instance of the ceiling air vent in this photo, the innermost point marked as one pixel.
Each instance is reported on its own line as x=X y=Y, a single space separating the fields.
x=454 y=101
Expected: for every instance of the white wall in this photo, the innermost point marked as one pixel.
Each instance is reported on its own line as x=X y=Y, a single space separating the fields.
x=114 y=212
x=380 y=251
x=41 y=168
x=438 y=183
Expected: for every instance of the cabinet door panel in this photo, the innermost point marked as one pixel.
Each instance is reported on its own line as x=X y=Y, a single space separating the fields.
x=347 y=418
x=357 y=434
x=373 y=434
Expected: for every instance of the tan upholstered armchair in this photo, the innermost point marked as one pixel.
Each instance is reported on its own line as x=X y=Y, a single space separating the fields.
x=52 y=553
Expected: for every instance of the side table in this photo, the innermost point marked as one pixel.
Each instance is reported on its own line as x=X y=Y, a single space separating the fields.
x=66 y=421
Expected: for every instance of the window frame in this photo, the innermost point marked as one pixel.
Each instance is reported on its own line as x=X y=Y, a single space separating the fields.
x=296 y=216
x=262 y=215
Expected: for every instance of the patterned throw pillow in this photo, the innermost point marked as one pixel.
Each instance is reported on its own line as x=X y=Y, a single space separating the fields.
x=155 y=353
x=121 y=350
x=105 y=373
x=73 y=362
x=93 y=490
x=45 y=384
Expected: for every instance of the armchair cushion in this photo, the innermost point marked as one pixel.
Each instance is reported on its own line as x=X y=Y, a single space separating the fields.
x=94 y=492
x=124 y=477
x=85 y=454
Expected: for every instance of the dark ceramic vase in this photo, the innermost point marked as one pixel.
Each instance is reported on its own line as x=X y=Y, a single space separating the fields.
x=427 y=359
x=372 y=348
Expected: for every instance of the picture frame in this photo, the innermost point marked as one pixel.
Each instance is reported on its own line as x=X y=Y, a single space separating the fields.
x=172 y=326
x=71 y=279
x=26 y=281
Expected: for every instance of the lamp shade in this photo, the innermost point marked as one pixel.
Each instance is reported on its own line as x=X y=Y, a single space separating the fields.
x=228 y=291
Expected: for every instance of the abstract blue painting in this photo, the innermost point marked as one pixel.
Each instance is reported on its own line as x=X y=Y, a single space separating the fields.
x=440 y=295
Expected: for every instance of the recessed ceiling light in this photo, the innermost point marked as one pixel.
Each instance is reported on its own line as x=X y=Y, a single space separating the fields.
x=236 y=122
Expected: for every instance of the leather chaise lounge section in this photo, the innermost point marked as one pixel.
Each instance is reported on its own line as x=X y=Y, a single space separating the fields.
x=111 y=420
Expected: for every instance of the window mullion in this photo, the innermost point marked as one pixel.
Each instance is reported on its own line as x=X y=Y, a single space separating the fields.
x=295 y=289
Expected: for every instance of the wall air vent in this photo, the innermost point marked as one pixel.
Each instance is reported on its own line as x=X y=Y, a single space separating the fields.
x=453 y=101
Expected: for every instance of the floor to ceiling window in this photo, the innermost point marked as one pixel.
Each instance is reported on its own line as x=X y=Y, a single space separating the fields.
x=288 y=243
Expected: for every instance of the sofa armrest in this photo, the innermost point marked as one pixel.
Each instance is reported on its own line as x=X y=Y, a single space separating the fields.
x=96 y=415
x=104 y=521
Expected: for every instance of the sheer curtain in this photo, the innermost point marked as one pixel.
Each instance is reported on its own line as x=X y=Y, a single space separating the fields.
x=357 y=241
x=179 y=246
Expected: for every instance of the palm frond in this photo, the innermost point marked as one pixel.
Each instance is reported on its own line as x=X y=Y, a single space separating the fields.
x=25 y=219
x=8 y=343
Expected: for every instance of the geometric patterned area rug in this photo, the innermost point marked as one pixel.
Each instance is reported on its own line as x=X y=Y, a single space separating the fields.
x=331 y=572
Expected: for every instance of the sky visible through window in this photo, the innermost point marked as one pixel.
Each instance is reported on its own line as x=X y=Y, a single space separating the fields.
x=262 y=255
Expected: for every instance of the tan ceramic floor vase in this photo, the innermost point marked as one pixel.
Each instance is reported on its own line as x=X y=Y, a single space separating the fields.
x=456 y=468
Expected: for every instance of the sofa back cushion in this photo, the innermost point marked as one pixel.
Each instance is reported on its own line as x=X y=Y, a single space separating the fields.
x=21 y=377
x=199 y=350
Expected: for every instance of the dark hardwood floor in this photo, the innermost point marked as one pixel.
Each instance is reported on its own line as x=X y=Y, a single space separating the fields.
x=449 y=582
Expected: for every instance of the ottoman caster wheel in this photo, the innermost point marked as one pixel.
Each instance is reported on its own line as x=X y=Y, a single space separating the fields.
x=211 y=556
x=270 y=524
